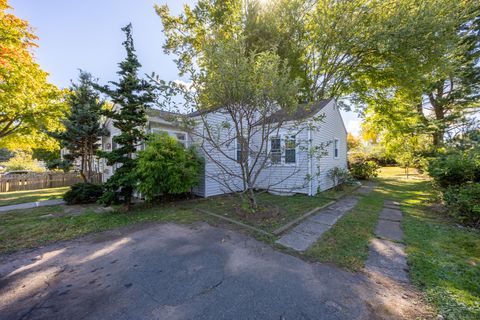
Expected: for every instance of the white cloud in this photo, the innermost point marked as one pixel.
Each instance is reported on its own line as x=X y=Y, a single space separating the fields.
x=354 y=127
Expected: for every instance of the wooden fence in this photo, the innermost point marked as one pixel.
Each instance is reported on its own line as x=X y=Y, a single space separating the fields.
x=45 y=180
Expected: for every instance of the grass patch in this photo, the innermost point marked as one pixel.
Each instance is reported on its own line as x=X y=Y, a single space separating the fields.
x=346 y=243
x=444 y=258
x=335 y=194
x=21 y=229
x=290 y=208
x=17 y=197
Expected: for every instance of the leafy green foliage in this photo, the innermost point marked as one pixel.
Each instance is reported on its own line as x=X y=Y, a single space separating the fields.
x=455 y=168
x=82 y=193
x=364 y=170
x=165 y=167
x=423 y=80
x=339 y=177
x=29 y=104
x=463 y=202
x=82 y=127
x=457 y=176
x=130 y=95
x=23 y=161
x=5 y=154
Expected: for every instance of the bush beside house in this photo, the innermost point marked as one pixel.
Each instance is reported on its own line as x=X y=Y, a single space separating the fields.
x=166 y=167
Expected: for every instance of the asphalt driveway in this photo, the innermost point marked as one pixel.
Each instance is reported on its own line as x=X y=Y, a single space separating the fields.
x=168 y=271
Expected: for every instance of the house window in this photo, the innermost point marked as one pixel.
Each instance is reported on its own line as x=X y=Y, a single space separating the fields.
x=336 y=148
x=290 y=149
x=182 y=138
x=275 y=150
x=239 y=151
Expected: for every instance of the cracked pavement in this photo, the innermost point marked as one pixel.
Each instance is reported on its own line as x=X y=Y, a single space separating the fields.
x=169 y=271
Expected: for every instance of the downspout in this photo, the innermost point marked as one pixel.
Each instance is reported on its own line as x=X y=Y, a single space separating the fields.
x=310 y=181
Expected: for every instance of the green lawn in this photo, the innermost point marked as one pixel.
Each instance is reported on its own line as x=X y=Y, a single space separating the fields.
x=21 y=229
x=16 y=197
x=444 y=258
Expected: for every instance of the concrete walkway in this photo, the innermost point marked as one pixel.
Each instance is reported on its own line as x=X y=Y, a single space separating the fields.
x=309 y=231
x=30 y=205
x=386 y=252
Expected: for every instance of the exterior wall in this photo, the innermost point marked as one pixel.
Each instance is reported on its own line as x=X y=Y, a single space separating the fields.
x=107 y=145
x=332 y=128
x=288 y=177
x=215 y=180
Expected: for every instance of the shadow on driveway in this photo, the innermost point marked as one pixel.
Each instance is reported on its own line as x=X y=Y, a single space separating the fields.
x=167 y=271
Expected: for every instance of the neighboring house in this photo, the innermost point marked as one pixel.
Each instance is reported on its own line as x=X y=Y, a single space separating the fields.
x=291 y=166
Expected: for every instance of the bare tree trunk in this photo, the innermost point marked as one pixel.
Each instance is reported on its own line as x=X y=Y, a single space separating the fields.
x=252 y=200
x=82 y=168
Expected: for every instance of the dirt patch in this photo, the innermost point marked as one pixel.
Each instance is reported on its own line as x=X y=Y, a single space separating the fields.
x=402 y=301
x=262 y=213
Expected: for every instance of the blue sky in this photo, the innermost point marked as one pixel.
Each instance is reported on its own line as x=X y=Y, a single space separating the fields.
x=86 y=35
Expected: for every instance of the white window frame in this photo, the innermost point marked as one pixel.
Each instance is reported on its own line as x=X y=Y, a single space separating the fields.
x=336 y=148
x=283 y=138
x=237 y=160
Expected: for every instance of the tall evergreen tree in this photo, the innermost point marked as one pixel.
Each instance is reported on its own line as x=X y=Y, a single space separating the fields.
x=82 y=125
x=130 y=95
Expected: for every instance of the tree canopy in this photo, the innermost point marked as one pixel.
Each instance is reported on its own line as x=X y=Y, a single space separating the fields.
x=28 y=103
x=412 y=64
x=83 y=128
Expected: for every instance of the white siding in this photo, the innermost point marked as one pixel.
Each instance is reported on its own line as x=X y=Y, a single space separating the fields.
x=282 y=177
x=332 y=128
x=288 y=177
x=216 y=179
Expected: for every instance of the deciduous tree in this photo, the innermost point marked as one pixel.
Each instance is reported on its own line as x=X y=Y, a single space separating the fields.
x=28 y=103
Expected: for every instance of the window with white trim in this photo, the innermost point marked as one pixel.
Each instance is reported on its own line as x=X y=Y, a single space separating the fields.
x=290 y=150
x=276 y=150
x=283 y=150
x=336 y=148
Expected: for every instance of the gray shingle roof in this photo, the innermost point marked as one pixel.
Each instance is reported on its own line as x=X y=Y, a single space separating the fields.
x=303 y=111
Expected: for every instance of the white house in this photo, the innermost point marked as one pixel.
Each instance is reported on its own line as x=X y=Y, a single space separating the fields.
x=292 y=166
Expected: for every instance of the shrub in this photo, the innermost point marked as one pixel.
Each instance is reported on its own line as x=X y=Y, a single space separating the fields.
x=83 y=193
x=23 y=161
x=339 y=177
x=463 y=203
x=455 y=169
x=364 y=170
x=165 y=167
